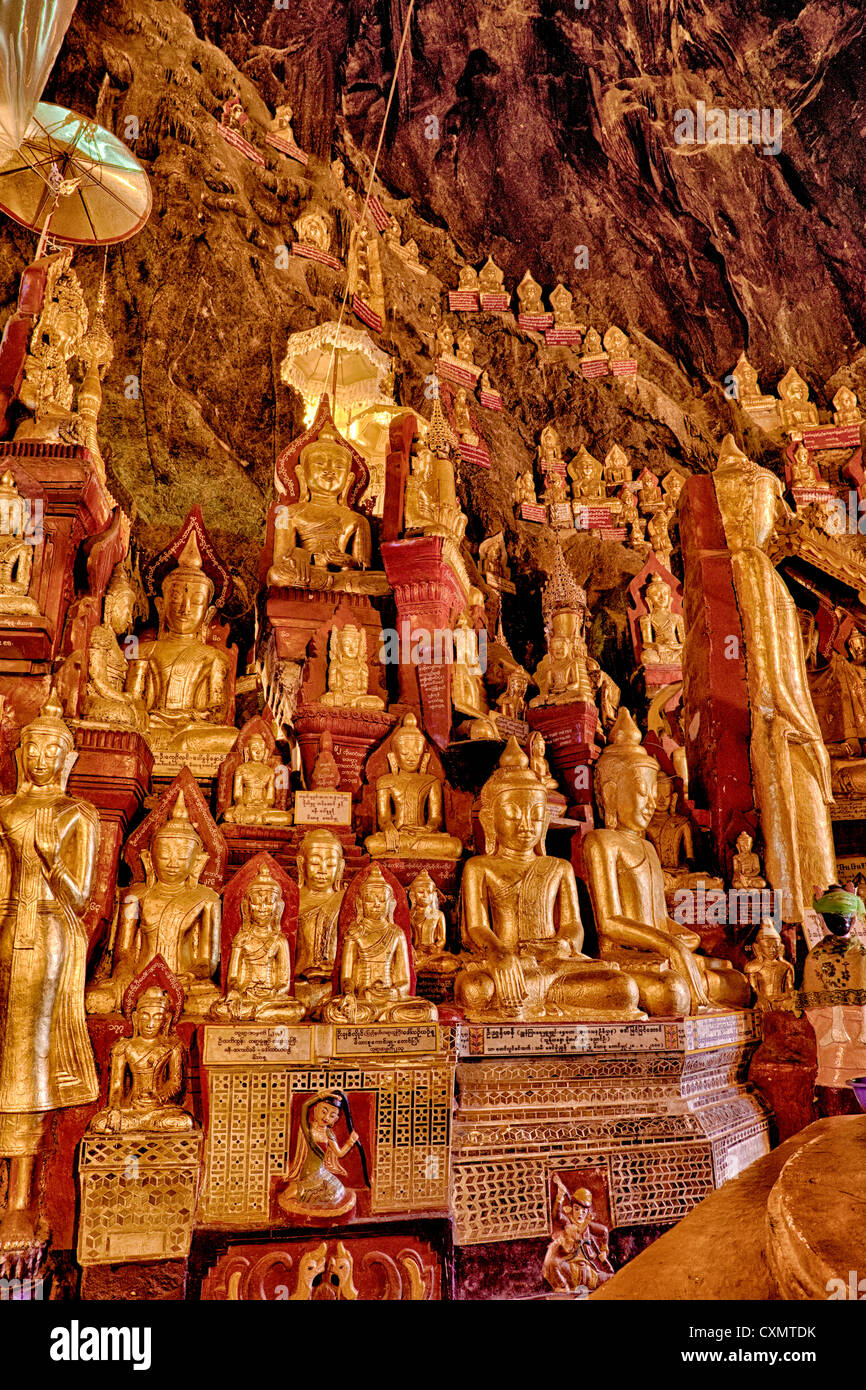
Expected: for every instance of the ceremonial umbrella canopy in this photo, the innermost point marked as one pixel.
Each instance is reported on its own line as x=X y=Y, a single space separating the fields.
x=31 y=32
x=345 y=362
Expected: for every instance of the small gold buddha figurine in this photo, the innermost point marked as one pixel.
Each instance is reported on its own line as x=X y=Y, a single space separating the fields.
x=314 y=228
x=468 y=695
x=430 y=501
x=47 y=391
x=321 y=868
x=409 y=802
x=465 y=347
x=649 y=492
x=259 y=977
x=617 y=469
x=493 y=561
x=592 y=345
x=50 y=844
x=254 y=792
x=468 y=278
x=560 y=302
x=796 y=410
x=320 y=543
x=529 y=295
x=555 y=489
x=616 y=344
x=445 y=339
x=746 y=864
x=314 y=1188
x=524 y=490
x=587 y=477
x=549 y=448
x=171 y=915
x=577 y=1257
x=846 y=410
x=746 y=379
x=671 y=833
x=512 y=702
x=672 y=485
x=629 y=513
x=349 y=671
x=326 y=771
x=428 y=927
x=375 y=968
x=769 y=974
x=147 y=1073
x=491 y=279
x=182 y=679
x=628 y=891
x=803 y=471
x=17 y=549
x=561 y=675
x=520 y=918
x=462 y=418
x=659 y=535
x=106 y=700
x=662 y=632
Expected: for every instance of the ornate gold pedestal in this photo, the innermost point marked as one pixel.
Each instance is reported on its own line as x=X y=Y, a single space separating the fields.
x=138 y=1195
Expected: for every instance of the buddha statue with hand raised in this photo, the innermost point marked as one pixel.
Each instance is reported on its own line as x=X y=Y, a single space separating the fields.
x=409 y=803
x=375 y=967
x=183 y=680
x=520 y=919
x=320 y=542
x=628 y=891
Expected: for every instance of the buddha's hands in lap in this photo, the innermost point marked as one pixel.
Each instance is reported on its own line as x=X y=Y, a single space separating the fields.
x=507 y=975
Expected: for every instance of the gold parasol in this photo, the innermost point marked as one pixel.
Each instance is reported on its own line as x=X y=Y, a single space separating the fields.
x=74 y=179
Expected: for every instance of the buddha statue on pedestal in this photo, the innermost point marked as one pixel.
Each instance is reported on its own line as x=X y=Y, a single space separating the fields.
x=320 y=543
x=797 y=411
x=769 y=974
x=658 y=535
x=375 y=969
x=409 y=804
x=183 y=681
x=254 y=792
x=491 y=280
x=746 y=864
x=662 y=632
x=468 y=695
x=349 y=671
x=259 y=977
x=628 y=892
x=468 y=278
x=106 y=700
x=529 y=295
x=321 y=868
x=587 y=477
x=561 y=300
x=520 y=919
x=617 y=469
x=427 y=921
x=846 y=410
x=524 y=490
x=671 y=834
x=462 y=418
x=147 y=1074
x=430 y=502
x=804 y=473
x=16 y=551
x=171 y=915
x=561 y=675
x=550 y=449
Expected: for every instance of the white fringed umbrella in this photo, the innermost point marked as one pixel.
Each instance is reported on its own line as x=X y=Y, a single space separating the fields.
x=314 y=355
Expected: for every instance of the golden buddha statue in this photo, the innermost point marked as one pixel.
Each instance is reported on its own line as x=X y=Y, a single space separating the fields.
x=320 y=543
x=671 y=833
x=445 y=339
x=628 y=890
x=47 y=391
x=491 y=280
x=171 y=915
x=17 y=549
x=746 y=381
x=592 y=345
x=796 y=410
x=768 y=973
x=314 y=228
x=839 y=696
x=468 y=695
x=616 y=344
x=658 y=535
x=106 y=700
x=561 y=301
x=182 y=679
x=616 y=467
x=465 y=347
x=511 y=704
x=846 y=410
x=427 y=921
x=462 y=418
x=555 y=488
x=409 y=803
x=561 y=675
x=147 y=1074
x=520 y=919
x=524 y=490
x=254 y=791
x=529 y=295
x=672 y=485
x=375 y=969
x=468 y=278
x=746 y=864
x=259 y=977
x=430 y=501
x=321 y=867
x=587 y=480
x=662 y=632
x=549 y=448
x=349 y=671
x=790 y=766
x=803 y=472
x=47 y=869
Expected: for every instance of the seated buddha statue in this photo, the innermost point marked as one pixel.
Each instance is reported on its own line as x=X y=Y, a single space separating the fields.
x=587 y=477
x=182 y=679
x=797 y=411
x=106 y=701
x=319 y=541
x=468 y=695
x=529 y=295
x=375 y=969
x=549 y=448
x=561 y=675
x=468 y=278
x=555 y=488
x=671 y=834
x=658 y=534
x=491 y=280
x=561 y=300
x=662 y=632
x=520 y=919
x=803 y=471
x=846 y=410
x=321 y=867
x=427 y=921
x=746 y=864
x=617 y=469
x=430 y=501
x=17 y=550
x=259 y=977
x=254 y=791
x=349 y=671
x=409 y=806
x=146 y=1080
x=628 y=891
x=524 y=490
x=171 y=915
x=462 y=418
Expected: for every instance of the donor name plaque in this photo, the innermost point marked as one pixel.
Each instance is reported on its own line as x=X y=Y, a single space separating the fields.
x=275 y=1044
x=354 y=1042
x=323 y=808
